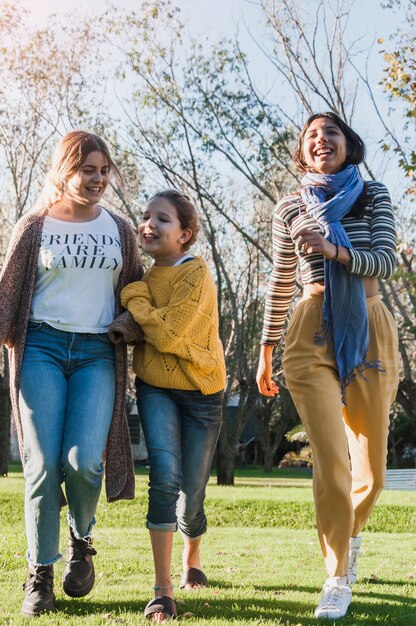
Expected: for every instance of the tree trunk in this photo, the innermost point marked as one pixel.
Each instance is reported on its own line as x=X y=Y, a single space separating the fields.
x=225 y=459
x=268 y=461
x=272 y=432
x=406 y=397
x=232 y=427
x=4 y=418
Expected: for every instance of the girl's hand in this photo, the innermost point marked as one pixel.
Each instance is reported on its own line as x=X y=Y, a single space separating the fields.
x=312 y=241
x=265 y=384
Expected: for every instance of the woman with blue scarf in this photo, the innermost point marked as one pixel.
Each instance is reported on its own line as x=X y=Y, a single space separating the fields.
x=341 y=355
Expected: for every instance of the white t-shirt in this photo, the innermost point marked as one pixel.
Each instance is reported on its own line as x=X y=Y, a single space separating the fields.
x=78 y=268
x=187 y=257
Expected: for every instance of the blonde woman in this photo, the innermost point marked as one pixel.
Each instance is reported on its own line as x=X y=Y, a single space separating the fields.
x=60 y=287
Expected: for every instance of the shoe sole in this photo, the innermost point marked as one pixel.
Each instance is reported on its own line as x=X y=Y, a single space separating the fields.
x=78 y=592
x=33 y=612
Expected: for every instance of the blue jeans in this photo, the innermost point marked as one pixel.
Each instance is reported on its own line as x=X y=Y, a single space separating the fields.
x=66 y=399
x=181 y=430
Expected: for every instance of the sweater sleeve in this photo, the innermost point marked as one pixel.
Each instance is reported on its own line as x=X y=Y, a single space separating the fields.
x=125 y=330
x=132 y=269
x=135 y=267
x=169 y=328
x=14 y=279
x=380 y=261
x=282 y=282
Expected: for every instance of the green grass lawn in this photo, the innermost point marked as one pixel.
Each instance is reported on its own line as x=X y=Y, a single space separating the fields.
x=261 y=556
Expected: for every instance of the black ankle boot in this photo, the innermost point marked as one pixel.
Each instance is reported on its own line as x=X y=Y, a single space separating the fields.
x=39 y=590
x=79 y=575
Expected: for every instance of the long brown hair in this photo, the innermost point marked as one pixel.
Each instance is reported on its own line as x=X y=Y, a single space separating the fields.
x=355 y=145
x=68 y=158
x=355 y=155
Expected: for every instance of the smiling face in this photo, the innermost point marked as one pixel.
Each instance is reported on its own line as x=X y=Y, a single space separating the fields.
x=160 y=232
x=324 y=147
x=87 y=185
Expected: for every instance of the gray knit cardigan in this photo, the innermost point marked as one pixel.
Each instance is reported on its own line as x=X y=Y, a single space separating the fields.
x=17 y=281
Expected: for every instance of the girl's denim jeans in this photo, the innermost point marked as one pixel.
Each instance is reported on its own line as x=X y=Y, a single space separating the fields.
x=67 y=391
x=181 y=430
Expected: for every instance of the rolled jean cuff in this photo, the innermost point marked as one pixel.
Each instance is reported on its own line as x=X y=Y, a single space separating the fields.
x=165 y=527
x=193 y=538
x=71 y=522
x=58 y=557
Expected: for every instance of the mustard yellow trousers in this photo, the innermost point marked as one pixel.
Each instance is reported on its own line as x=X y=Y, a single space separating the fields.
x=349 y=443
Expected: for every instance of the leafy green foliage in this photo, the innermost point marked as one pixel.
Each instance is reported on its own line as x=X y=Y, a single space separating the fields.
x=400 y=83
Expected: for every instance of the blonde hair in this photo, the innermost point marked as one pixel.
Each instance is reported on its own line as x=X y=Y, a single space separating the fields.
x=68 y=157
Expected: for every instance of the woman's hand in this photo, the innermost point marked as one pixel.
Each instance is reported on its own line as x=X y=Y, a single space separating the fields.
x=312 y=241
x=265 y=384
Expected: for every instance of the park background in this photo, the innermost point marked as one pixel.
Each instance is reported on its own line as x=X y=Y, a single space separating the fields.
x=208 y=96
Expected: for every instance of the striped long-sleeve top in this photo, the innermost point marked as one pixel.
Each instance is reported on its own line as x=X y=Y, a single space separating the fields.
x=373 y=252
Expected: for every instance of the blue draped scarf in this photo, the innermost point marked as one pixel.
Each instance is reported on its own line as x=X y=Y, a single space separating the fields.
x=328 y=198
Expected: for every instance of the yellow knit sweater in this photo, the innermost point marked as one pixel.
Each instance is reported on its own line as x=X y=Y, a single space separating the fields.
x=176 y=308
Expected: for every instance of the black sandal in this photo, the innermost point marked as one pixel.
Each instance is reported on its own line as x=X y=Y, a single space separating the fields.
x=162 y=604
x=193 y=576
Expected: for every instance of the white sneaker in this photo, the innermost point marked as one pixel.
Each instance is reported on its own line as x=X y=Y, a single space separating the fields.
x=353 y=554
x=335 y=599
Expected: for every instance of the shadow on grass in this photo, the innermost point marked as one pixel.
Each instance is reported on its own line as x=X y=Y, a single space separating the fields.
x=264 y=611
x=356 y=591
x=386 y=581
x=83 y=607
x=389 y=609
x=220 y=608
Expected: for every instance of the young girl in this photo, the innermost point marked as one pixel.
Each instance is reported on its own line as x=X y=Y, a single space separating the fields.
x=180 y=380
x=59 y=290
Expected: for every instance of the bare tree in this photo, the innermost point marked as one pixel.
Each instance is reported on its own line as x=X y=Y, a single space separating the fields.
x=196 y=119
x=213 y=118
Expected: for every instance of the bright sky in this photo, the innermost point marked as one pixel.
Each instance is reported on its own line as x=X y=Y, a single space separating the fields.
x=219 y=17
